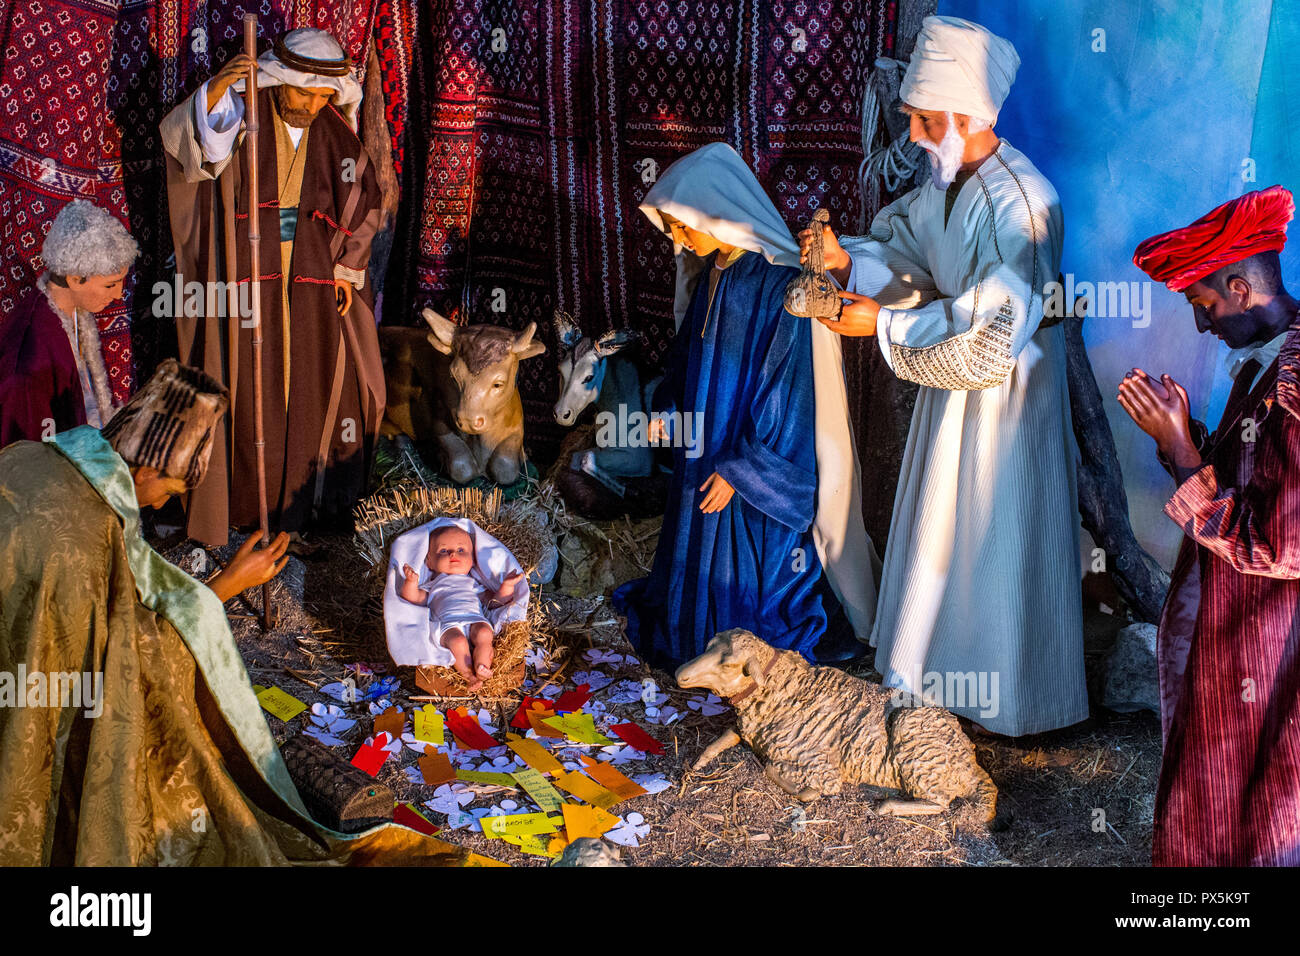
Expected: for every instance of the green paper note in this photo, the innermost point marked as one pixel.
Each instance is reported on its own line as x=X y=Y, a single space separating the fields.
x=580 y=727
x=539 y=789
x=481 y=776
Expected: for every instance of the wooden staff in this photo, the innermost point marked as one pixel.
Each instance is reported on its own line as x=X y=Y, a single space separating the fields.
x=254 y=264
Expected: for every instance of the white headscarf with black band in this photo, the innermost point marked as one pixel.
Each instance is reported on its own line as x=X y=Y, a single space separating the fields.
x=307 y=59
x=713 y=191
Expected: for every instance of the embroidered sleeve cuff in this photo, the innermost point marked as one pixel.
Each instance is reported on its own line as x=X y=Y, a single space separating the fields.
x=355 y=276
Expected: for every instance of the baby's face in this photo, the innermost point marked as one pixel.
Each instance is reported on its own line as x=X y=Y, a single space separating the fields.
x=451 y=551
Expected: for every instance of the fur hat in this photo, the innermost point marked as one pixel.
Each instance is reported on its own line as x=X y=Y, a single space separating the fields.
x=169 y=423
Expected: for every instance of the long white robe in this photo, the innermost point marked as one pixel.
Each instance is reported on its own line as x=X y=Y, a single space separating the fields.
x=980 y=606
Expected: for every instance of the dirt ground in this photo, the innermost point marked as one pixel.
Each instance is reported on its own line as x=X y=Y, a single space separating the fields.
x=730 y=814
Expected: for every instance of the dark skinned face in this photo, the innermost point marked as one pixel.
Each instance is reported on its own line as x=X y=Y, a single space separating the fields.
x=1226 y=316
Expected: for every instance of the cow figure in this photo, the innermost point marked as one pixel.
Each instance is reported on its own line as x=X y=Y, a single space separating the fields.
x=456 y=385
x=592 y=372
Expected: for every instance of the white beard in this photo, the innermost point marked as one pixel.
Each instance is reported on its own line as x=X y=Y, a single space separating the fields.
x=945 y=158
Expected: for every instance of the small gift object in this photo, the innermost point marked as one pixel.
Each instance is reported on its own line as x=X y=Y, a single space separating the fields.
x=811 y=294
x=337 y=794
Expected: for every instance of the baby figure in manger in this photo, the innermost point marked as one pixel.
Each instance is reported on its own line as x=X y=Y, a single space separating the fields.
x=451 y=589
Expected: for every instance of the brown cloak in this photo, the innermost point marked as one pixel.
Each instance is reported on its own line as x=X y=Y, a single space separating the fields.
x=319 y=447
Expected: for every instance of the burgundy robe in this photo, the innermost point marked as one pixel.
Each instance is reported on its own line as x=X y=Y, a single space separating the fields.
x=1229 y=791
x=38 y=373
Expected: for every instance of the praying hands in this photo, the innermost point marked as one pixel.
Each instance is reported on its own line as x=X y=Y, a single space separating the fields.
x=1161 y=409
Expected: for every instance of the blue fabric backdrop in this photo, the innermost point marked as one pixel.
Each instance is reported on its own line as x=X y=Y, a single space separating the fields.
x=1175 y=108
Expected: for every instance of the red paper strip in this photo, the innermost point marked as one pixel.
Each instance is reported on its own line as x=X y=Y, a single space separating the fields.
x=571 y=701
x=408 y=816
x=521 y=715
x=469 y=732
x=638 y=739
x=370 y=758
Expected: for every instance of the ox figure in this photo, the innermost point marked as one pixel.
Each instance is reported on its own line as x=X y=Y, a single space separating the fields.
x=456 y=385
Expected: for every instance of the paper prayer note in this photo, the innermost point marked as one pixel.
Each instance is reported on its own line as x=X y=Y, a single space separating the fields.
x=580 y=821
x=428 y=724
x=390 y=722
x=584 y=788
x=580 y=727
x=481 y=776
x=539 y=789
x=280 y=704
x=611 y=779
x=519 y=824
x=469 y=731
x=535 y=755
x=638 y=739
x=436 y=768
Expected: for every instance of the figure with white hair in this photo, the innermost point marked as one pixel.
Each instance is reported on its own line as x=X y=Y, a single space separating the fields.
x=981 y=569
x=52 y=372
x=319 y=210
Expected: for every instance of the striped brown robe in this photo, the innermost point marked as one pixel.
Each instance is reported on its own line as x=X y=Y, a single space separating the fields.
x=319 y=442
x=1229 y=639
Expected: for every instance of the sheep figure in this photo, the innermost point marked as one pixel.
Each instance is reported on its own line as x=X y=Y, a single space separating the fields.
x=589 y=851
x=817 y=729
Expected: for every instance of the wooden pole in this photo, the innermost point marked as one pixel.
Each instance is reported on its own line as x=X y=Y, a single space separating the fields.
x=254 y=261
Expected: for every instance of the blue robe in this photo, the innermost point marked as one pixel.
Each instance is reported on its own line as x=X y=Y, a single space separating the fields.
x=745 y=365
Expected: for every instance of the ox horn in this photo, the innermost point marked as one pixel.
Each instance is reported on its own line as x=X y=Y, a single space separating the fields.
x=524 y=346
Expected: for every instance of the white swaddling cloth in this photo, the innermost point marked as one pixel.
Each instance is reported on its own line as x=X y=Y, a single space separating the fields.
x=411 y=630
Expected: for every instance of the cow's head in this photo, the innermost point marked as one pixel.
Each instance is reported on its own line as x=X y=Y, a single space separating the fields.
x=484 y=362
x=582 y=364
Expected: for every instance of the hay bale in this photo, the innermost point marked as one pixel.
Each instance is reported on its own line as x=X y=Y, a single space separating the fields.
x=519 y=525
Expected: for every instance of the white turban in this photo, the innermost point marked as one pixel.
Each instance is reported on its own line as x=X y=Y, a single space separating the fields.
x=308 y=51
x=959 y=67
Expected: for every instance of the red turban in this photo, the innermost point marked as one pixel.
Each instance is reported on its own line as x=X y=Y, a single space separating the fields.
x=1255 y=222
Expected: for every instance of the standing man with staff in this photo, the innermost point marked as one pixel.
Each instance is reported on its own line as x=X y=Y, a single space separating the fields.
x=319 y=209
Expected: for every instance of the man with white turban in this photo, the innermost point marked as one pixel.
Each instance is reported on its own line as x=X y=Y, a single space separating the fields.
x=319 y=210
x=52 y=372
x=980 y=609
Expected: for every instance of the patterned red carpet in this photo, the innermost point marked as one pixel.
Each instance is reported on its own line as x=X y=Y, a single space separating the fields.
x=525 y=133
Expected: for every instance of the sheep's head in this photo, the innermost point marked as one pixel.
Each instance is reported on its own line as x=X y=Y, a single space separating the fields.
x=731 y=664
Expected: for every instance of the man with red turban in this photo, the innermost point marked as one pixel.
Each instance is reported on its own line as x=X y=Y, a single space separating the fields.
x=1229 y=640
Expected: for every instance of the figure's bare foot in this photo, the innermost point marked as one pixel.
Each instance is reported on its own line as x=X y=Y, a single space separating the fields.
x=458 y=644
x=483 y=651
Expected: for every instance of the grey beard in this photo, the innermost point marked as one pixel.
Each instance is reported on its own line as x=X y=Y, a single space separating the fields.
x=945 y=158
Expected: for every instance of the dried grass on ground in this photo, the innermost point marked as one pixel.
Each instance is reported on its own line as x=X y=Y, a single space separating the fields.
x=731 y=814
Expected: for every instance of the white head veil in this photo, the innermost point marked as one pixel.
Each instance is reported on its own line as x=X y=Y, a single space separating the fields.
x=408 y=627
x=713 y=191
x=309 y=50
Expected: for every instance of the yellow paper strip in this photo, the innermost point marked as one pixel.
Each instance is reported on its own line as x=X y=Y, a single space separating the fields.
x=477 y=859
x=584 y=788
x=539 y=789
x=280 y=704
x=535 y=755
x=519 y=824
x=428 y=725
